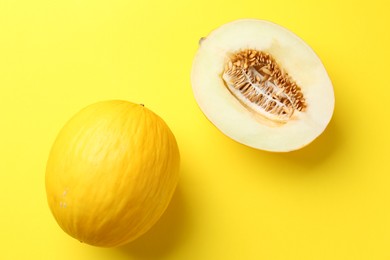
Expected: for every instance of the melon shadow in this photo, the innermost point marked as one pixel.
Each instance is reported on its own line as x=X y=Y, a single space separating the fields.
x=167 y=234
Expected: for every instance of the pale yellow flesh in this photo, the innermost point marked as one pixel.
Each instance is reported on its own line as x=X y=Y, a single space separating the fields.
x=293 y=55
x=111 y=173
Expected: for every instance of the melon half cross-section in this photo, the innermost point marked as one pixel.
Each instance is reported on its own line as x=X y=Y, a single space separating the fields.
x=262 y=85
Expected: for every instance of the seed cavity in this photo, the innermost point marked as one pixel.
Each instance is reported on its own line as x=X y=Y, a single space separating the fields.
x=258 y=82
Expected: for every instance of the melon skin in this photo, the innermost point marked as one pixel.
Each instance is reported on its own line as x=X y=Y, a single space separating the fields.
x=111 y=173
x=234 y=120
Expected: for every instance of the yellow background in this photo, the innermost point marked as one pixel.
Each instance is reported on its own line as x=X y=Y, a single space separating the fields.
x=330 y=200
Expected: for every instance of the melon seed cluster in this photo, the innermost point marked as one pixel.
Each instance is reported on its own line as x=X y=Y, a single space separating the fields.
x=258 y=82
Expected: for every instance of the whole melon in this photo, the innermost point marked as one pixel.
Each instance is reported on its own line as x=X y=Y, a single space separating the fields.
x=111 y=173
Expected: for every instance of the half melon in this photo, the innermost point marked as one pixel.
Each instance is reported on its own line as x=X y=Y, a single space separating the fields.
x=262 y=85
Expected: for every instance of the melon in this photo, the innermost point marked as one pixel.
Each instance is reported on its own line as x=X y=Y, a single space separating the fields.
x=111 y=173
x=262 y=85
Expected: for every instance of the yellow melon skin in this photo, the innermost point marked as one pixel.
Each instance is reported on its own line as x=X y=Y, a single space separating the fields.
x=111 y=173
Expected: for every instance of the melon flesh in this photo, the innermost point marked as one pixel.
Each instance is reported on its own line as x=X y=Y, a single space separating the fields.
x=233 y=118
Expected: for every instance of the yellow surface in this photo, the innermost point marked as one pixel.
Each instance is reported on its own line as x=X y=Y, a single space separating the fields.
x=330 y=200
